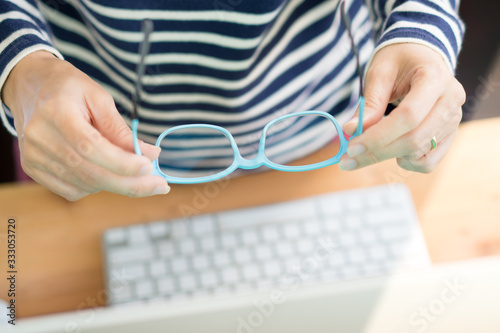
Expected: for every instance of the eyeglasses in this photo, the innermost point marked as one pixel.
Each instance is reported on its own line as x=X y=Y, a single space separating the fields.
x=199 y=153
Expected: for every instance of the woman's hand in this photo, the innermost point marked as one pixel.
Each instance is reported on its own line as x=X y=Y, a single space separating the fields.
x=431 y=100
x=71 y=137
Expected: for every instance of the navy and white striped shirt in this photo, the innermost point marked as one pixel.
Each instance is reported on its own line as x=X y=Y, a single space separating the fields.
x=234 y=63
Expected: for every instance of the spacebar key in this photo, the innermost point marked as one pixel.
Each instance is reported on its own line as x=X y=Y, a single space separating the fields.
x=275 y=213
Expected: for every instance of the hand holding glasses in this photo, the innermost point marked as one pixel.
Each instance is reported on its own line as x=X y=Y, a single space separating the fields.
x=198 y=153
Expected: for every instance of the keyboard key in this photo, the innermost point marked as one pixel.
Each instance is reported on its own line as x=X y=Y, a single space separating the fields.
x=166 y=249
x=221 y=258
x=367 y=236
x=332 y=225
x=347 y=239
x=291 y=230
x=270 y=233
x=144 y=288
x=272 y=269
x=312 y=227
x=115 y=236
x=374 y=201
x=208 y=243
x=383 y=216
x=305 y=246
x=228 y=240
x=353 y=203
x=130 y=254
x=187 y=282
x=121 y=294
x=242 y=255
x=158 y=268
x=263 y=253
x=354 y=222
x=249 y=236
x=251 y=272
x=179 y=265
x=137 y=234
x=200 y=262
x=187 y=246
x=133 y=271
x=209 y=279
x=401 y=231
x=284 y=249
x=357 y=256
x=330 y=206
x=179 y=228
x=159 y=229
x=203 y=224
x=337 y=260
x=166 y=285
x=230 y=275
x=378 y=252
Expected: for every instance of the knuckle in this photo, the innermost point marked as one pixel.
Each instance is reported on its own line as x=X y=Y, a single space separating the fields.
x=101 y=98
x=424 y=165
x=27 y=168
x=72 y=159
x=89 y=178
x=460 y=95
x=430 y=73
x=32 y=131
x=410 y=118
x=134 y=192
x=373 y=158
x=416 y=147
x=84 y=146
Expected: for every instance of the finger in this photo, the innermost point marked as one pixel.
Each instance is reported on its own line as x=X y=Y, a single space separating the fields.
x=90 y=145
x=56 y=185
x=82 y=174
x=440 y=122
x=111 y=125
x=92 y=178
x=429 y=161
x=379 y=85
x=37 y=159
x=424 y=92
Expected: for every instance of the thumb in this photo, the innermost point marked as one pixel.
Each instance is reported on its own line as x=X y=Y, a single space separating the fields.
x=378 y=90
x=111 y=125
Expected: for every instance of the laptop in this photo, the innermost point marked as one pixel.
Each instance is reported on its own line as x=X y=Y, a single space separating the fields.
x=458 y=297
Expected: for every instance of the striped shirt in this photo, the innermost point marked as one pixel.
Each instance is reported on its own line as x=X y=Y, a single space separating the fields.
x=233 y=63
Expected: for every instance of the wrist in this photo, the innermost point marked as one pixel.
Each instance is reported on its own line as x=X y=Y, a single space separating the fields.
x=22 y=73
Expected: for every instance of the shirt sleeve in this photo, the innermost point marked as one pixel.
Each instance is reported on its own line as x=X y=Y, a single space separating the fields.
x=23 y=30
x=434 y=23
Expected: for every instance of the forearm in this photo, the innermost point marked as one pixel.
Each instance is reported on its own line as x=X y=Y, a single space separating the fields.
x=23 y=31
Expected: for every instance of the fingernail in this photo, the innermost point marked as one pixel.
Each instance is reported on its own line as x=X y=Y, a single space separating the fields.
x=146 y=170
x=347 y=164
x=161 y=189
x=353 y=123
x=355 y=150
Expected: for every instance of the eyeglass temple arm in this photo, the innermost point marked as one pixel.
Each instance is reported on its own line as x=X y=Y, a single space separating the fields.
x=347 y=24
x=144 y=47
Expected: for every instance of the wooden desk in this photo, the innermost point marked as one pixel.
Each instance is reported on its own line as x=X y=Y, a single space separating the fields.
x=59 y=243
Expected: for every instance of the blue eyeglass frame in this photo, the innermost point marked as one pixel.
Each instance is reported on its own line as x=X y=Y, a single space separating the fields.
x=239 y=161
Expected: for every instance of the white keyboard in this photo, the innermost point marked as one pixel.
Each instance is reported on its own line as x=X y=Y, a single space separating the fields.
x=332 y=237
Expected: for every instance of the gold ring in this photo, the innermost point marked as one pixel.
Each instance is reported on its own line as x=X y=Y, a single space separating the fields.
x=433 y=143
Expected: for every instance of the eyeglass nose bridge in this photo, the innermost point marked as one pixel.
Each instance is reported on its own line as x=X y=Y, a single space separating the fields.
x=248 y=164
